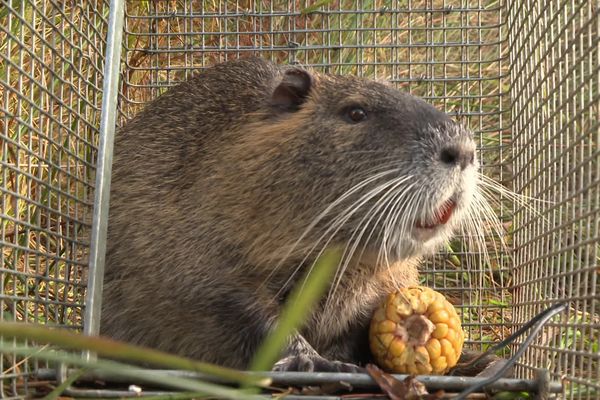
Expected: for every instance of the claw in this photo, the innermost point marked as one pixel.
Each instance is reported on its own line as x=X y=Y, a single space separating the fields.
x=305 y=363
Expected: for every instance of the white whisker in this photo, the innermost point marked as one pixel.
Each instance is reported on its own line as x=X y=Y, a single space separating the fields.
x=319 y=217
x=335 y=226
x=362 y=226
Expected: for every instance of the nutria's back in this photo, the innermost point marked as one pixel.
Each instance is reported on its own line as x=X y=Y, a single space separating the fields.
x=227 y=186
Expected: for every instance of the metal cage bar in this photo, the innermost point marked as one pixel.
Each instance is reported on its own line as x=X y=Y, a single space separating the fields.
x=108 y=122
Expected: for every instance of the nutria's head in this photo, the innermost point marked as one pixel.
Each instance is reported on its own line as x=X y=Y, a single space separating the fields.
x=342 y=160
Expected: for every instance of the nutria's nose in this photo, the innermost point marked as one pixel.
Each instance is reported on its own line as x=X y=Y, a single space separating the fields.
x=457 y=155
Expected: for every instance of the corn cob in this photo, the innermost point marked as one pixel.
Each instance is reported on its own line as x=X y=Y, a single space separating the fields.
x=416 y=331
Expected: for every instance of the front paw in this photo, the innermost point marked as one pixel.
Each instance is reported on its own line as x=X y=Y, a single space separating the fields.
x=485 y=367
x=309 y=363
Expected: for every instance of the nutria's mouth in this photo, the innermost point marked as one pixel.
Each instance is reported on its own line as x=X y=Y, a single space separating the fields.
x=441 y=216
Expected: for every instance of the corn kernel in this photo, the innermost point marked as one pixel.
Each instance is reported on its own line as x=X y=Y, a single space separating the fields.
x=397 y=347
x=440 y=316
x=439 y=364
x=425 y=369
x=413 y=370
x=386 y=327
x=386 y=339
x=403 y=310
x=434 y=348
x=454 y=323
x=418 y=306
x=441 y=330
x=435 y=306
x=421 y=355
x=427 y=298
x=451 y=336
x=447 y=348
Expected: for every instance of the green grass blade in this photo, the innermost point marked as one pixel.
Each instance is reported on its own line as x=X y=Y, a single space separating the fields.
x=55 y=394
x=155 y=377
x=298 y=307
x=121 y=351
x=452 y=257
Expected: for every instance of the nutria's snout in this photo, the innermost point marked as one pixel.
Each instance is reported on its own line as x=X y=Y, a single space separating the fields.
x=457 y=155
x=447 y=186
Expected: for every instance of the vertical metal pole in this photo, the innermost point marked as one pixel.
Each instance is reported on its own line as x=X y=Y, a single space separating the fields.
x=108 y=122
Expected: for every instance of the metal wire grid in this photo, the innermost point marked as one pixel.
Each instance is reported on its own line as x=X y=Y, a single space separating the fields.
x=50 y=89
x=555 y=70
x=449 y=52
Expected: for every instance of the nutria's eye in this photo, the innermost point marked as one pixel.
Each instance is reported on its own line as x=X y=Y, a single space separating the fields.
x=357 y=114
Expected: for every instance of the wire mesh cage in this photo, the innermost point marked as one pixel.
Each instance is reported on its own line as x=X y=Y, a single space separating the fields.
x=51 y=62
x=554 y=55
x=523 y=75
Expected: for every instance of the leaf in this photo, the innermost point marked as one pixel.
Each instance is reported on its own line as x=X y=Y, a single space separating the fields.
x=296 y=309
x=408 y=389
x=498 y=303
x=315 y=6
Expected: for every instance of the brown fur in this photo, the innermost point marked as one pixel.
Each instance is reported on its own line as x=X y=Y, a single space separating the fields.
x=213 y=184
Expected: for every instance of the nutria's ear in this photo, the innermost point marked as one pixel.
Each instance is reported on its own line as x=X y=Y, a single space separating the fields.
x=293 y=89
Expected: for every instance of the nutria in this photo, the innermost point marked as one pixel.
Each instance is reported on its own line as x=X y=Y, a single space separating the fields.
x=226 y=187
